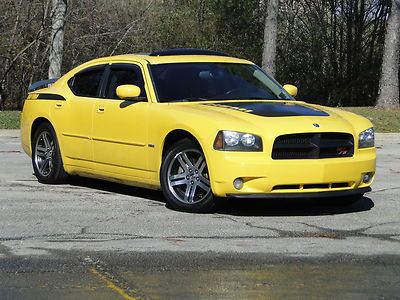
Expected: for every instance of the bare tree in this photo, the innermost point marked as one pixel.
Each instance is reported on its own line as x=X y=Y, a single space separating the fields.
x=270 y=37
x=331 y=49
x=8 y=62
x=37 y=51
x=389 y=83
x=58 y=16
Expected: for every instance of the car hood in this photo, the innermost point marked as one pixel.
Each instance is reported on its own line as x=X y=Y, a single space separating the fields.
x=279 y=117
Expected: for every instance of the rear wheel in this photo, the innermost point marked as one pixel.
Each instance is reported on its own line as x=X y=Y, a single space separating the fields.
x=46 y=157
x=185 y=180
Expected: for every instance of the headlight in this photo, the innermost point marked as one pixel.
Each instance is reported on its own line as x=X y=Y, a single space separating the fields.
x=237 y=141
x=366 y=139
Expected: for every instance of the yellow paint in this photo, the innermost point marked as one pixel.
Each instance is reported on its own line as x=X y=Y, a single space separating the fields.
x=128 y=91
x=291 y=89
x=111 y=285
x=101 y=138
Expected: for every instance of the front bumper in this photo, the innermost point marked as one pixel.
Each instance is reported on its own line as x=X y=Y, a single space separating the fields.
x=267 y=178
x=308 y=195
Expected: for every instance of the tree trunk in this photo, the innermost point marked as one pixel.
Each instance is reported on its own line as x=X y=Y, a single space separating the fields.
x=57 y=37
x=270 y=37
x=389 y=82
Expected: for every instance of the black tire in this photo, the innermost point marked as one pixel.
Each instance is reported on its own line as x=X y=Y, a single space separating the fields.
x=184 y=178
x=46 y=158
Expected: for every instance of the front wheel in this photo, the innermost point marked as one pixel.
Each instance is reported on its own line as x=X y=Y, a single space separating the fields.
x=185 y=180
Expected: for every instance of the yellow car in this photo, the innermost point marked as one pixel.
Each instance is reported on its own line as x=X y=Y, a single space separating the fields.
x=198 y=125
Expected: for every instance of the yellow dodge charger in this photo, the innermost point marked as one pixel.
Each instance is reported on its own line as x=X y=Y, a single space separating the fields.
x=198 y=125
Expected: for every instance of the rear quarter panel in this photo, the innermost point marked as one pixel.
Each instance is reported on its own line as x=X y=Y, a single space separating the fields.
x=32 y=110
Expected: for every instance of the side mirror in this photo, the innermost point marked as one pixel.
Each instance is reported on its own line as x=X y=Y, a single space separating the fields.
x=291 y=89
x=128 y=92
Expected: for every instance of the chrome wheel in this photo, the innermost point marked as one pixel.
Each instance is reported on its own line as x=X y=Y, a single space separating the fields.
x=43 y=156
x=187 y=176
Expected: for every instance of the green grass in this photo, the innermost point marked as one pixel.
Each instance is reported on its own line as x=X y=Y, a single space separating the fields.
x=9 y=119
x=383 y=120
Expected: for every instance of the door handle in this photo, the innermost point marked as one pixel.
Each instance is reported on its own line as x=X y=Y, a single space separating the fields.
x=58 y=105
x=100 y=109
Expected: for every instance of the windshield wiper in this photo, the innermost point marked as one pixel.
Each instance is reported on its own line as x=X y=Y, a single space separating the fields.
x=270 y=98
x=190 y=99
x=259 y=98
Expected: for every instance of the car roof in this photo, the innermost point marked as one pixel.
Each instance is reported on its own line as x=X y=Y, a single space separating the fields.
x=154 y=60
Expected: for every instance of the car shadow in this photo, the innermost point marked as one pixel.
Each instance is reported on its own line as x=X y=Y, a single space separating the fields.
x=239 y=207
x=107 y=186
x=290 y=207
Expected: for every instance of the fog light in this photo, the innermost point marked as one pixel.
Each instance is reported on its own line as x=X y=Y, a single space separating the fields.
x=367 y=177
x=238 y=183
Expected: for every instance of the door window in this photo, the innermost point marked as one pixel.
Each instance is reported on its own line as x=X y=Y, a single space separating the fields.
x=121 y=74
x=87 y=82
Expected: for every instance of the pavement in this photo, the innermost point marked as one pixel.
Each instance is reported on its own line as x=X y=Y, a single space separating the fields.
x=113 y=241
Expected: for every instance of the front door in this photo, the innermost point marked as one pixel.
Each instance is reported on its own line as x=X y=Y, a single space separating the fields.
x=120 y=127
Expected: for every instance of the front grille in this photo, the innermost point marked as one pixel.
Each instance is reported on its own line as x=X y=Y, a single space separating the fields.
x=313 y=145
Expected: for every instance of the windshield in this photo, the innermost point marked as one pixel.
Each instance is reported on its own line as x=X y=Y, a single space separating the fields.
x=214 y=81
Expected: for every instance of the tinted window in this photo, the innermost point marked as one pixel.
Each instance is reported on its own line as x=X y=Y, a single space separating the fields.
x=86 y=83
x=124 y=74
x=214 y=81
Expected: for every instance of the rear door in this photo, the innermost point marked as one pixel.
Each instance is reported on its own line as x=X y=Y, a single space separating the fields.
x=77 y=115
x=119 y=126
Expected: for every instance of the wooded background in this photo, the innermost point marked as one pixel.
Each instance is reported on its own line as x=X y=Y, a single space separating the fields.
x=331 y=49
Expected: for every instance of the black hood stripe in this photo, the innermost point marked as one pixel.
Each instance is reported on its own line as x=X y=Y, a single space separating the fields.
x=272 y=109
